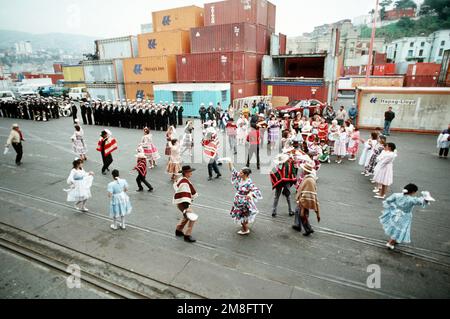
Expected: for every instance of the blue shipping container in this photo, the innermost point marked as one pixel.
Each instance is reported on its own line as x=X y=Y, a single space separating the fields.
x=192 y=95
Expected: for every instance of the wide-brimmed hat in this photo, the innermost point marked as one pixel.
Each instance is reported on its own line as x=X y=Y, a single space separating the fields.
x=307 y=167
x=15 y=125
x=281 y=159
x=187 y=169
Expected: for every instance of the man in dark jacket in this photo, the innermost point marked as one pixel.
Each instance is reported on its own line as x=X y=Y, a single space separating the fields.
x=389 y=116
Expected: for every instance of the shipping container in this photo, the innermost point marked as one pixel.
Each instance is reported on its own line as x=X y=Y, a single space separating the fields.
x=117 y=48
x=164 y=43
x=379 y=58
x=57 y=67
x=423 y=110
x=73 y=73
x=444 y=75
x=263 y=39
x=424 y=69
x=237 y=11
x=54 y=78
x=118 y=70
x=421 y=81
x=106 y=92
x=283 y=44
x=402 y=67
x=384 y=69
x=143 y=91
x=235 y=37
x=245 y=89
x=271 y=16
x=183 y=18
x=274 y=44
x=219 y=67
x=150 y=69
x=296 y=90
x=295 y=66
x=192 y=95
x=99 y=71
x=385 y=81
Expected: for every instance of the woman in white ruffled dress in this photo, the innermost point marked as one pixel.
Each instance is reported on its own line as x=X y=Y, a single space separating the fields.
x=78 y=145
x=150 y=150
x=384 y=171
x=242 y=130
x=80 y=186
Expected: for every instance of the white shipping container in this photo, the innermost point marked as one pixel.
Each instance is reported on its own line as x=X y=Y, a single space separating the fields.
x=274 y=44
x=117 y=48
x=118 y=66
x=99 y=72
x=107 y=92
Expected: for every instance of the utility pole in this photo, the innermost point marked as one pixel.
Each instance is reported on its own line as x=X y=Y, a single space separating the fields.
x=372 y=40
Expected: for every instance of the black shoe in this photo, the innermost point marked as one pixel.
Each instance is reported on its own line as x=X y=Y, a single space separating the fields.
x=307 y=234
x=210 y=179
x=18 y=164
x=140 y=190
x=151 y=190
x=218 y=176
x=297 y=228
x=291 y=214
x=220 y=164
x=274 y=215
x=258 y=168
x=103 y=173
x=179 y=233
x=189 y=239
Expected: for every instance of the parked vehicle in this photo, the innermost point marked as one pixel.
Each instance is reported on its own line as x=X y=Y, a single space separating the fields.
x=298 y=105
x=7 y=96
x=54 y=91
x=78 y=93
x=26 y=91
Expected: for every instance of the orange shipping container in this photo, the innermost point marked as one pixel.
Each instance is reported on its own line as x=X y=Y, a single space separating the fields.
x=183 y=18
x=136 y=91
x=150 y=69
x=164 y=43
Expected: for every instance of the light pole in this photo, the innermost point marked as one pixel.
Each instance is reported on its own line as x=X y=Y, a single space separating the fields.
x=374 y=28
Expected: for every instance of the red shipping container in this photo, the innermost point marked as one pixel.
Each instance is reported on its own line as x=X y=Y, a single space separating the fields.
x=380 y=58
x=237 y=11
x=271 y=16
x=424 y=69
x=421 y=81
x=245 y=89
x=57 y=67
x=263 y=39
x=219 y=67
x=236 y=37
x=283 y=44
x=384 y=69
x=299 y=90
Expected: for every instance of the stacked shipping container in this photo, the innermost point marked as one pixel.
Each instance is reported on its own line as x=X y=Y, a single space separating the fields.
x=231 y=45
x=422 y=75
x=156 y=63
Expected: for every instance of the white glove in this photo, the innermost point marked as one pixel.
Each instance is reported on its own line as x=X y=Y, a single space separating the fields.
x=6 y=150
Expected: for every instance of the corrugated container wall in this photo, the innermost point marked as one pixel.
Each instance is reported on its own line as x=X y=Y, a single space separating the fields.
x=183 y=18
x=421 y=81
x=263 y=39
x=384 y=69
x=444 y=75
x=275 y=44
x=99 y=72
x=271 y=16
x=296 y=90
x=219 y=67
x=164 y=43
x=57 y=67
x=117 y=48
x=246 y=89
x=234 y=37
x=424 y=69
x=150 y=69
x=136 y=91
x=237 y=11
x=73 y=73
x=283 y=44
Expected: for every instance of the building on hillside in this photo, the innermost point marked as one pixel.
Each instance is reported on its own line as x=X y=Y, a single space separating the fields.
x=419 y=49
x=23 y=48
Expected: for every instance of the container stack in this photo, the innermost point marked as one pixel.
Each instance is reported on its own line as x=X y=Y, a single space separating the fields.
x=104 y=78
x=230 y=47
x=155 y=62
x=422 y=75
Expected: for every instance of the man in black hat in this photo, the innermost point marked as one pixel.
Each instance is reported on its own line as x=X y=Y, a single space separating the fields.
x=74 y=111
x=184 y=196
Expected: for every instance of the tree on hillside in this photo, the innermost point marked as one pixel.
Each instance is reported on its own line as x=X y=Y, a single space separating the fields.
x=439 y=7
x=405 y=4
x=384 y=4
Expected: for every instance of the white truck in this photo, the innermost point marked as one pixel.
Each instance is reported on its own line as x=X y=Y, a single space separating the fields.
x=78 y=93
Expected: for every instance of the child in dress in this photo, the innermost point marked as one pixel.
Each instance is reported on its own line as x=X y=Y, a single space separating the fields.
x=325 y=157
x=340 y=145
x=398 y=213
x=150 y=149
x=174 y=165
x=120 y=205
x=80 y=186
x=384 y=171
x=353 y=144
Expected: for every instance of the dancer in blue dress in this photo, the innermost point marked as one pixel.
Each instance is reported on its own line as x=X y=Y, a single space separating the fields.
x=120 y=202
x=398 y=214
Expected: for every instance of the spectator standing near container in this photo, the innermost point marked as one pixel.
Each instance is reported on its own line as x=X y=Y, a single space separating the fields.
x=341 y=116
x=443 y=143
x=389 y=116
x=353 y=114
